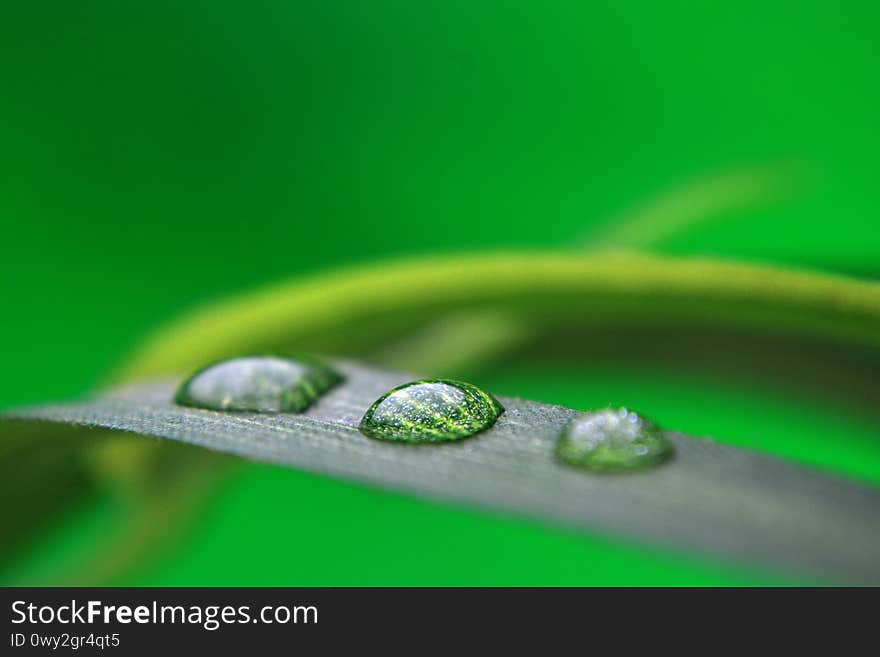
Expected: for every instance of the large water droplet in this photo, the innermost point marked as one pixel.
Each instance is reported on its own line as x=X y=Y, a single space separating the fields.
x=260 y=384
x=431 y=411
x=612 y=440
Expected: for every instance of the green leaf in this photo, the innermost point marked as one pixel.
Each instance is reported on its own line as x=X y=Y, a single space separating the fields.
x=710 y=499
x=697 y=202
x=361 y=311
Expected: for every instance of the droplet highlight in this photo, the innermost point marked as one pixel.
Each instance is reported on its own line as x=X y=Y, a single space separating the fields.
x=431 y=411
x=613 y=440
x=258 y=384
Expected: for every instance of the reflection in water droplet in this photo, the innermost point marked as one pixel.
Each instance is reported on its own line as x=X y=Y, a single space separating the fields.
x=260 y=384
x=612 y=440
x=431 y=411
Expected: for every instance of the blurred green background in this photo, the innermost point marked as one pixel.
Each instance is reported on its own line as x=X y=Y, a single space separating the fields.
x=159 y=155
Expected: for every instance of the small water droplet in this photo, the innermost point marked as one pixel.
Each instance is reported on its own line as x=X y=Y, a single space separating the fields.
x=612 y=440
x=259 y=384
x=430 y=411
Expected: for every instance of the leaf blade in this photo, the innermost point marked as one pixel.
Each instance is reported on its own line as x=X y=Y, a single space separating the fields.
x=711 y=499
x=352 y=312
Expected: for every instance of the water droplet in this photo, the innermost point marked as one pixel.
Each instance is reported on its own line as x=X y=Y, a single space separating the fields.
x=260 y=384
x=431 y=411
x=612 y=440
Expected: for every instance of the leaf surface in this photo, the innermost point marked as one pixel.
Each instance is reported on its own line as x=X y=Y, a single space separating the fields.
x=711 y=499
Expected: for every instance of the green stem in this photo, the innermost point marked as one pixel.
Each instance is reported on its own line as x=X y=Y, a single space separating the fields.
x=353 y=311
x=708 y=198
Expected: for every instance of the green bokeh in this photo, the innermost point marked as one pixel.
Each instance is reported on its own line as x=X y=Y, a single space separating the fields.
x=157 y=155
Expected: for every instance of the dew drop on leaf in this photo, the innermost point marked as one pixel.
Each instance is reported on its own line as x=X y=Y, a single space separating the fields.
x=431 y=411
x=612 y=440
x=259 y=384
